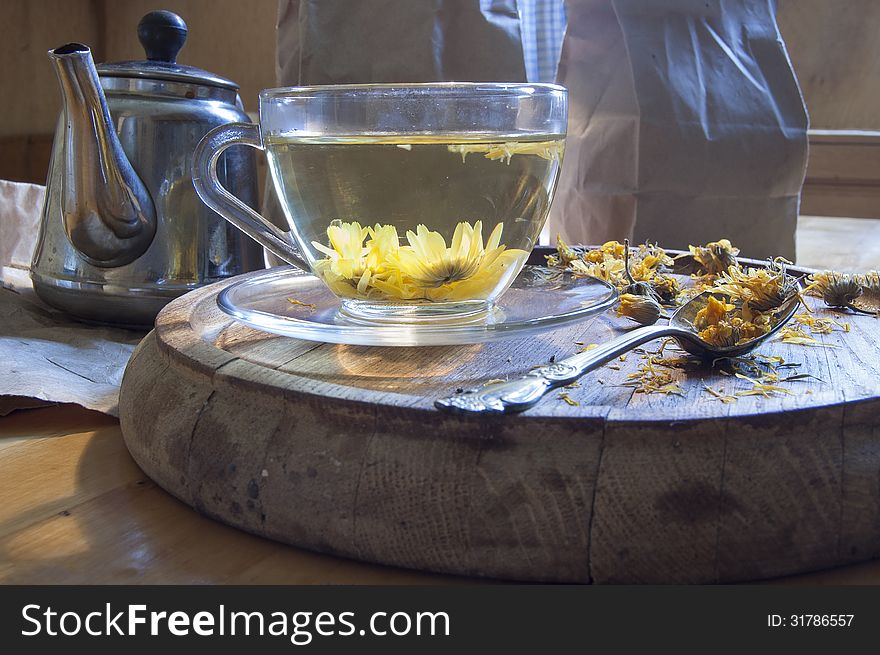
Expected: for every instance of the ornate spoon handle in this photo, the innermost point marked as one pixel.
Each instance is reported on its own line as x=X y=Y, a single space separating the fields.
x=522 y=393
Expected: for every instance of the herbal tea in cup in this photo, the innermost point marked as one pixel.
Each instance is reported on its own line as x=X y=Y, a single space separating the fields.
x=410 y=203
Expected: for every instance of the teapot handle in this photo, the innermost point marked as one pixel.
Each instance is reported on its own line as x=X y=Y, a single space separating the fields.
x=215 y=196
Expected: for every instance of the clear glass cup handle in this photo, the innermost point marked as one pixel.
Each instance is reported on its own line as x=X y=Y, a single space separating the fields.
x=215 y=196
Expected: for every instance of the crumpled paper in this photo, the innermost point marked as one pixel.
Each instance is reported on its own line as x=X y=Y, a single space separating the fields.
x=47 y=357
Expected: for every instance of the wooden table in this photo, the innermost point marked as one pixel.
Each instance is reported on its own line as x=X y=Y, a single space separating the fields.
x=74 y=508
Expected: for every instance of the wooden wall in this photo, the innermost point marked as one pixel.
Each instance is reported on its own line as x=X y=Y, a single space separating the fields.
x=835 y=50
x=233 y=38
x=29 y=99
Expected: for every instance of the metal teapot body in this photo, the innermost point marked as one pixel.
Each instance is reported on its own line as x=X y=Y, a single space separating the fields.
x=123 y=231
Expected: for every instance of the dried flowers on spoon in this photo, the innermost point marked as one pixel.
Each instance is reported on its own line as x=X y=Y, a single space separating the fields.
x=758 y=290
x=745 y=306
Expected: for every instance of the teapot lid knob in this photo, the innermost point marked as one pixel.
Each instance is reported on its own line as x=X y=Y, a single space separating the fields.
x=162 y=35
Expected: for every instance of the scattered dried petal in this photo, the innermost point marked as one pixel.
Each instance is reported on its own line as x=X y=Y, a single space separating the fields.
x=307 y=305
x=796 y=336
x=568 y=399
x=719 y=396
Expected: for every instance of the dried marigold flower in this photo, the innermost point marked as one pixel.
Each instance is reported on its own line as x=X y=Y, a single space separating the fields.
x=836 y=289
x=712 y=313
x=642 y=287
x=758 y=289
x=608 y=251
x=666 y=288
x=566 y=253
x=641 y=309
x=716 y=256
x=721 y=324
x=639 y=272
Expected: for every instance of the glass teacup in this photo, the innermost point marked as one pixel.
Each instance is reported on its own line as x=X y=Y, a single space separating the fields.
x=410 y=202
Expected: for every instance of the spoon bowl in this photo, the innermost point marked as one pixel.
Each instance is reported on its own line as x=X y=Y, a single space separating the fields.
x=688 y=339
x=520 y=394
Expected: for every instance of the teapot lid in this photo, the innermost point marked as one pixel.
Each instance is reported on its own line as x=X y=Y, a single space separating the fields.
x=162 y=35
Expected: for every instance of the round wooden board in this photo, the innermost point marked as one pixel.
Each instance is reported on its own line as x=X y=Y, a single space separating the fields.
x=339 y=449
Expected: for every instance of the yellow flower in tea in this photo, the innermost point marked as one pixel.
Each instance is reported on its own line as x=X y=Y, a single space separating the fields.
x=431 y=264
x=465 y=270
x=550 y=150
x=346 y=251
x=383 y=244
x=424 y=269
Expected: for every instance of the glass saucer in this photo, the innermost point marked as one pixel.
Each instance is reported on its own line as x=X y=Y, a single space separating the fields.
x=291 y=303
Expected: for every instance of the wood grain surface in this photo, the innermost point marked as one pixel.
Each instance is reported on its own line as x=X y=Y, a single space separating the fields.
x=339 y=449
x=76 y=509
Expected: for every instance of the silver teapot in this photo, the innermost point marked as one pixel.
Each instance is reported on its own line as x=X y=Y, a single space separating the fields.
x=123 y=231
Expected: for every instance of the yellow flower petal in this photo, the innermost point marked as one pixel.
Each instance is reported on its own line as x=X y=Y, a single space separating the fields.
x=495 y=237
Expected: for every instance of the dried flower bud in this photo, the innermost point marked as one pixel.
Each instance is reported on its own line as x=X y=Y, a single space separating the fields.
x=641 y=309
x=841 y=290
x=858 y=293
x=640 y=289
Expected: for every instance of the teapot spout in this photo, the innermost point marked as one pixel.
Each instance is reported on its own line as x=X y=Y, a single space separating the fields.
x=108 y=213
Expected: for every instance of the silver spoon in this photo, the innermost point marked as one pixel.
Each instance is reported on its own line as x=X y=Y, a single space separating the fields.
x=520 y=394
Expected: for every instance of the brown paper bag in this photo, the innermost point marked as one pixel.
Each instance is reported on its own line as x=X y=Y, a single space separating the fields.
x=686 y=124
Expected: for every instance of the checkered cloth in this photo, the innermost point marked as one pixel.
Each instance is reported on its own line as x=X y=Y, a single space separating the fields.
x=543 y=27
